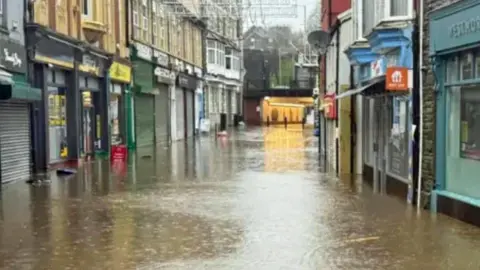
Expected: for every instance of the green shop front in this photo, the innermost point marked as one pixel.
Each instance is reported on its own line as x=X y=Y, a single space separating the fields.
x=455 y=55
x=144 y=96
x=16 y=98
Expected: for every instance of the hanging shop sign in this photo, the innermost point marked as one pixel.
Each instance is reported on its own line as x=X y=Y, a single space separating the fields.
x=13 y=56
x=186 y=81
x=396 y=79
x=164 y=75
x=329 y=106
x=120 y=72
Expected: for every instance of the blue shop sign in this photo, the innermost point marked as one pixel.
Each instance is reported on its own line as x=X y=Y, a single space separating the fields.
x=455 y=25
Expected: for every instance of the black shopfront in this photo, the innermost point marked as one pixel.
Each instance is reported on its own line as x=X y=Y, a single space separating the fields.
x=71 y=121
x=188 y=84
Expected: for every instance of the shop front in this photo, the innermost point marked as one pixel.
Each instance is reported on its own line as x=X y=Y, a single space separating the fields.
x=144 y=96
x=165 y=81
x=73 y=122
x=16 y=99
x=456 y=66
x=330 y=131
x=384 y=80
x=120 y=76
x=185 y=97
x=199 y=100
x=232 y=90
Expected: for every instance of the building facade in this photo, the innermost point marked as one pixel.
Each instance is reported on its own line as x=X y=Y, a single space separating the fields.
x=70 y=53
x=17 y=96
x=454 y=79
x=335 y=137
x=223 y=75
x=166 y=49
x=382 y=58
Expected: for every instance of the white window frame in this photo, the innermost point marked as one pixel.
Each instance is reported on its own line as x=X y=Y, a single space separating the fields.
x=211 y=50
x=89 y=13
x=1 y=7
x=358 y=13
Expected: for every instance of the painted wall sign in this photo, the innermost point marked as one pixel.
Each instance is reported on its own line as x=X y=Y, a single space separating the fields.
x=143 y=51
x=13 y=56
x=396 y=79
x=455 y=25
x=466 y=27
x=120 y=72
x=164 y=75
x=161 y=58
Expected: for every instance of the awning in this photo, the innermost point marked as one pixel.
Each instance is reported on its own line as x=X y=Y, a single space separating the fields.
x=5 y=77
x=17 y=89
x=372 y=84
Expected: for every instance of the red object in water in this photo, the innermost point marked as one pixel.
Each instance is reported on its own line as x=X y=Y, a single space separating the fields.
x=119 y=153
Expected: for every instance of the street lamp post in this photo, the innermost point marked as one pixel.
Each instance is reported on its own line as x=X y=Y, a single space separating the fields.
x=319 y=40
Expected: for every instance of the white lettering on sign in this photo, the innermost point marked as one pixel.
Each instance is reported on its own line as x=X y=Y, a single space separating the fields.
x=88 y=61
x=162 y=58
x=12 y=58
x=164 y=75
x=143 y=51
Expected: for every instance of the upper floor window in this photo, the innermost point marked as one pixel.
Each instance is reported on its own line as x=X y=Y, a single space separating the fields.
x=87 y=7
x=369 y=13
x=211 y=52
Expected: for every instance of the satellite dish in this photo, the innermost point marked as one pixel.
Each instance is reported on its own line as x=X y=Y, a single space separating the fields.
x=319 y=40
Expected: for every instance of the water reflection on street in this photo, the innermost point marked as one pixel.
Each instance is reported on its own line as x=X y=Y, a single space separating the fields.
x=255 y=200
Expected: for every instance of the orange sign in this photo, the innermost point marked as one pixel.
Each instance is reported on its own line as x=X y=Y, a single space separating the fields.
x=396 y=79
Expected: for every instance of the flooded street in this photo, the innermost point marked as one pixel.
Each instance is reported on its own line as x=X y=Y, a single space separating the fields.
x=255 y=201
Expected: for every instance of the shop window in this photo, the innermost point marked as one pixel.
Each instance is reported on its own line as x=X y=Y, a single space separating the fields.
x=470 y=122
x=477 y=65
x=466 y=66
x=451 y=70
x=398 y=145
x=57 y=124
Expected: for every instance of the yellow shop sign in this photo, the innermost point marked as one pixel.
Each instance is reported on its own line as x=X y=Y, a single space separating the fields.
x=120 y=72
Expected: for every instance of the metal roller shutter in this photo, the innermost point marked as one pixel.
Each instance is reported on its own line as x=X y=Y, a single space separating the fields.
x=190 y=110
x=15 y=142
x=162 y=115
x=180 y=113
x=229 y=107
x=144 y=120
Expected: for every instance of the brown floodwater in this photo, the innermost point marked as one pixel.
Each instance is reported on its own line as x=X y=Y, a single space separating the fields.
x=256 y=200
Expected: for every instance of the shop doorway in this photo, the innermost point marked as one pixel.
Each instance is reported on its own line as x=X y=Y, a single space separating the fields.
x=88 y=125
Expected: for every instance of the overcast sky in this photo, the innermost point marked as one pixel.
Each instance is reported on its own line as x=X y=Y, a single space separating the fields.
x=274 y=15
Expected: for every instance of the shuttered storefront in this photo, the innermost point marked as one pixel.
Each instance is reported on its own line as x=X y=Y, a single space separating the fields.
x=162 y=115
x=144 y=119
x=180 y=113
x=229 y=107
x=190 y=110
x=15 y=155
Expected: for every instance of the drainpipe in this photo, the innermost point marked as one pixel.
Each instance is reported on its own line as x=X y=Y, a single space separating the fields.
x=420 y=101
x=337 y=74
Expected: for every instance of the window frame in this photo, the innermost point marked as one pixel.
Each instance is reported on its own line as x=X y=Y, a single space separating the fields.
x=86 y=3
x=359 y=6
